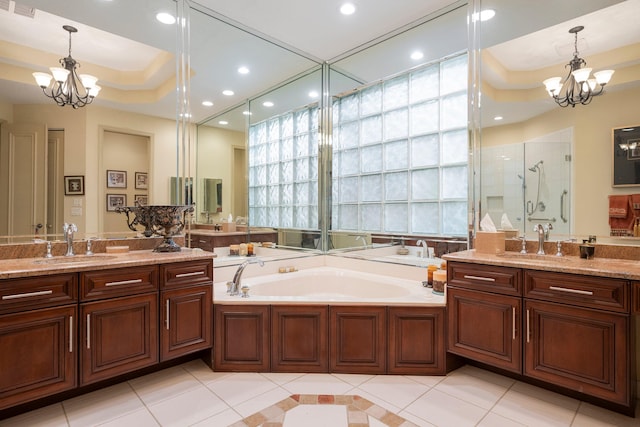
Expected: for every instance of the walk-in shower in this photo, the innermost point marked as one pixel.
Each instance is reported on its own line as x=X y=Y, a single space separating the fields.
x=532 y=207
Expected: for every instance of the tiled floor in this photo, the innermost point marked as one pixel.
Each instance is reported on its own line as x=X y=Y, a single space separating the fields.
x=192 y=395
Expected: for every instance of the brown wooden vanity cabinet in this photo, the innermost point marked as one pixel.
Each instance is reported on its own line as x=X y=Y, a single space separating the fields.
x=299 y=338
x=186 y=306
x=569 y=330
x=118 y=334
x=38 y=345
x=484 y=314
x=577 y=334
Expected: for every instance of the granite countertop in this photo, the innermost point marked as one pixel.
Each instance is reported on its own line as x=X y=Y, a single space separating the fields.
x=25 y=267
x=604 y=267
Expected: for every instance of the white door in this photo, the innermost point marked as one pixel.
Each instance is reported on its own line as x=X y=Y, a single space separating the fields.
x=23 y=190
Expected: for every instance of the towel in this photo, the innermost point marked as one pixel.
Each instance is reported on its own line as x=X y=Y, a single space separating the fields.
x=486 y=224
x=505 y=224
x=619 y=206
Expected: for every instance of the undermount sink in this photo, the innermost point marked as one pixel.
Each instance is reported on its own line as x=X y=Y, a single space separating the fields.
x=534 y=257
x=73 y=259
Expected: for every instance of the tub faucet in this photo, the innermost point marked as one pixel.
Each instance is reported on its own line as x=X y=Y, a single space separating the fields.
x=68 y=230
x=235 y=286
x=425 y=248
x=543 y=234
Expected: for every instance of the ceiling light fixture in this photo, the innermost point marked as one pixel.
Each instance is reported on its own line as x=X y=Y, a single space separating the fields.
x=577 y=88
x=484 y=15
x=207 y=103
x=313 y=94
x=417 y=55
x=227 y=92
x=347 y=9
x=243 y=70
x=223 y=122
x=166 y=18
x=268 y=104
x=68 y=88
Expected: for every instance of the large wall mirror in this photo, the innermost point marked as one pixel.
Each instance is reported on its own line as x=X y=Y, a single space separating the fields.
x=542 y=163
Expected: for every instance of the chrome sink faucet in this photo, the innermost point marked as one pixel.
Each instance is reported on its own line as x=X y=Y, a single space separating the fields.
x=68 y=230
x=543 y=234
x=234 y=286
x=425 y=248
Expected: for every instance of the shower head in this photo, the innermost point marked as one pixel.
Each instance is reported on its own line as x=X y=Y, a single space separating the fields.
x=536 y=166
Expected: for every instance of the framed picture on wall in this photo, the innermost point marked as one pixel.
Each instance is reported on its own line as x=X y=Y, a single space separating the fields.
x=141 y=181
x=116 y=200
x=626 y=156
x=141 y=199
x=116 y=179
x=74 y=185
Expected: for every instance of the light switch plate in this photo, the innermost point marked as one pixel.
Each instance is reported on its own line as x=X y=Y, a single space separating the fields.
x=75 y=211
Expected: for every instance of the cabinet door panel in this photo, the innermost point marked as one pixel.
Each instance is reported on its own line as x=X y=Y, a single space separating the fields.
x=358 y=339
x=485 y=327
x=241 y=338
x=118 y=335
x=581 y=349
x=186 y=325
x=416 y=341
x=38 y=355
x=299 y=339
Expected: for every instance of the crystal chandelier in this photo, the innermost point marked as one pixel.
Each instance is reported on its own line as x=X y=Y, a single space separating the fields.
x=577 y=88
x=68 y=88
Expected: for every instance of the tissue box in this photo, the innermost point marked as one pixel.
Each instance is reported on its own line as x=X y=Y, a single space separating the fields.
x=489 y=242
x=509 y=234
x=229 y=227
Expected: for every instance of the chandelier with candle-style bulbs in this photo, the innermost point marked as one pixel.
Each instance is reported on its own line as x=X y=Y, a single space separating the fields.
x=64 y=85
x=577 y=88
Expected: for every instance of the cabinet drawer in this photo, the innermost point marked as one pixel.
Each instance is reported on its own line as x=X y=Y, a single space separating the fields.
x=585 y=291
x=636 y=298
x=37 y=292
x=186 y=274
x=488 y=278
x=118 y=282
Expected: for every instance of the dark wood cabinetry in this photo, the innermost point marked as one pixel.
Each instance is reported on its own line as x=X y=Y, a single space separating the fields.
x=37 y=354
x=62 y=331
x=118 y=335
x=299 y=337
x=207 y=241
x=241 y=341
x=416 y=341
x=485 y=327
x=358 y=339
x=566 y=330
x=186 y=306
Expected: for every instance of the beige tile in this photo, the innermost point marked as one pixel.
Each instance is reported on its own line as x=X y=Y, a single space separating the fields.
x=594 y=416
x=165 y=384
x=240 y=387
x=281 y=378
x=102 y=405
x=353 y=379
x=531 y=405
x=428 y=380
x=139 y=418
x=316 y=416
x=495 y=420
x=260 y=402
x=49 y=416
x=317 y=384
x=224 y=418
x=415 y=419
x=202 y=372
x=442 y=409
x=188 y=408
x=397 y=390
x=483 y=391
x=376 y=400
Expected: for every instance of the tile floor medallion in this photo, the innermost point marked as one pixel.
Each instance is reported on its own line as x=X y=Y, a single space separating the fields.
x=320 y=410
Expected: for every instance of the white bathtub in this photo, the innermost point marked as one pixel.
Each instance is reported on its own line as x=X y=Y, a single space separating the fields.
x=330 y=285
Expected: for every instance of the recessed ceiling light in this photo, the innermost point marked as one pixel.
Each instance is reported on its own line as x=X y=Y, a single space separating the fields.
x=313 y=94
x=166 y=18
x=497 y=118
x=243 y=70
x=628 y=129
x=246 y=113
x=484 y=15
x=223 y=122
x=207 y=103
x=417 y=55
x=227 y=92
x=347 y=9
x=268 y=104
x=187 y=115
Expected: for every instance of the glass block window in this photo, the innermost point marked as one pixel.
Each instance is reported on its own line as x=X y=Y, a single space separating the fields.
x=401 y=152
x=283 y=170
